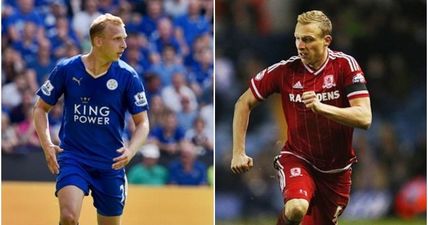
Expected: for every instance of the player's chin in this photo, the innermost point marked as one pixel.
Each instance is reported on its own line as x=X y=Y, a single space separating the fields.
x=115 y=58
x=306 y=61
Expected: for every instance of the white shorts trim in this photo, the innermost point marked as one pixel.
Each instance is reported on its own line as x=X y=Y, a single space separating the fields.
x=316 y=168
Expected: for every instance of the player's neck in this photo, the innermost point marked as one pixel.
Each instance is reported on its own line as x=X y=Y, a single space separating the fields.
x=94 y=65
x=320 y=63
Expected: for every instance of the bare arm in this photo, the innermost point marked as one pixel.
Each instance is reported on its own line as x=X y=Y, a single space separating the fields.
x=139 y=136
x=40 y=115
x=358 y=115
x=240 y=161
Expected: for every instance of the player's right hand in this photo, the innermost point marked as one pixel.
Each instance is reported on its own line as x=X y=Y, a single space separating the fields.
x=50 y=156
x=241 y=163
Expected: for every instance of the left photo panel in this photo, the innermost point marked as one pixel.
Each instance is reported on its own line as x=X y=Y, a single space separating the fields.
x=107 y=112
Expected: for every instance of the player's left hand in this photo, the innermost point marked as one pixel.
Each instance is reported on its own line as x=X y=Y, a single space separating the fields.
x=122 y=160
x=311 y=101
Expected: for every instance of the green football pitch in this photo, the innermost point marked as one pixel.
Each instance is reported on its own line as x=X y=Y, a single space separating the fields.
x=272 y=221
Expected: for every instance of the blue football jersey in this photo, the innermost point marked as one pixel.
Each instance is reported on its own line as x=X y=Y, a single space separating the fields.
x=94 y=108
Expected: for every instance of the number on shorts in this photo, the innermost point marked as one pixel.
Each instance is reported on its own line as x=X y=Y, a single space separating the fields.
x=122 y=189
x=337 y=214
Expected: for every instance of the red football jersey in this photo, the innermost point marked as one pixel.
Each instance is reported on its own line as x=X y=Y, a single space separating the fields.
x=324 y=143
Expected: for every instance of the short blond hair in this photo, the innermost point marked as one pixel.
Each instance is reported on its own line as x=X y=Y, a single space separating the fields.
x=100 y=23
x=316 y=16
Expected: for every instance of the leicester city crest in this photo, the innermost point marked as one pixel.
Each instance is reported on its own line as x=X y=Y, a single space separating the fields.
x=112 y=84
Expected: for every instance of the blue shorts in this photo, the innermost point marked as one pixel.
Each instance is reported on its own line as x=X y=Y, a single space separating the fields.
x=108 y=187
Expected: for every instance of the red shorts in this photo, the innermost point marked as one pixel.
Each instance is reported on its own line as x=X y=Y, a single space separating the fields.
x=327 y=194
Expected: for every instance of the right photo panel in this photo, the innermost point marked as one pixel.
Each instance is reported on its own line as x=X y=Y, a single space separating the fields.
x=320 y=112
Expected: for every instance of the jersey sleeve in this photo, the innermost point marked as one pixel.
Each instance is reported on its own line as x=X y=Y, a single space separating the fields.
x=267 y=81
x=136 y=96
x=53 y=87
x=355 y=82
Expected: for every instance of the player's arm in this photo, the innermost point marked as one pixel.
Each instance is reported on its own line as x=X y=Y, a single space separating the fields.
x=240 y=161
x=139 y=136
x=40 y=116
x=358 y=115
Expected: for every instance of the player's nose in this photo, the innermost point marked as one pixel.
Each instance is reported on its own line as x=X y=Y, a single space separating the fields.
x=300 y=44
x=124 y=45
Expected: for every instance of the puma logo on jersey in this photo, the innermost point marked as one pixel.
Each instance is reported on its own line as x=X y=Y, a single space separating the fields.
x=298 y=85
x=77 y=80
x=322 y=97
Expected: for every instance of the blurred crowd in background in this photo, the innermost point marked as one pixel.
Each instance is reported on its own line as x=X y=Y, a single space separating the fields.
x=170 y=45
x=388 y=39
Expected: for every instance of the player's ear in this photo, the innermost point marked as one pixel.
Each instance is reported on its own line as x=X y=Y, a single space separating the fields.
x=327 y=40
x=98 y=41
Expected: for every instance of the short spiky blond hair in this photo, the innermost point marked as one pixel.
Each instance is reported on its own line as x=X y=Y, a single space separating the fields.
x=316 y=16
x=100 y=23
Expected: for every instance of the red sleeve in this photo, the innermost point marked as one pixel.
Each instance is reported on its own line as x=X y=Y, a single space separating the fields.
x=267 y=81
x=355 y=82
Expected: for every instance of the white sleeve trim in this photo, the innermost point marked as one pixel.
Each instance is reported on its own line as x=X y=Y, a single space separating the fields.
x=357 y=93
x=255 y=90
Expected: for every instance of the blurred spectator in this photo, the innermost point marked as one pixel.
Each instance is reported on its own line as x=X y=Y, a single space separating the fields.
x=412 y=198
x=56 y=9
x=202 y=71
x=206 y=113
x=168 y=135
x=388 y=150
x=26 y=132
x=187 y=170
x=208 y=10
x=108 y=6
x=9 y=139
x=165 y=36
x=153 y=85
x=27 y=45
x=24 y=13
x=157 y=111
x=193 y=24
x=172 y=94
x=43 y=63
x=12 y=92
x=169 y=65
x=198 y=45
x=187 y=115
x=150 y=20
x=83 y=19
x=19 y=112
x=200 y=137
x=12 y=64
x=136 y=59
x=139 y=41
x=71 y=50
x=64 y=35
x=176 y=8
x=148 y=171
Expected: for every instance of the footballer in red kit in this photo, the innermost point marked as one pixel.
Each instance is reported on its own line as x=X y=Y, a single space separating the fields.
x=324 y=97
x=328 y=145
